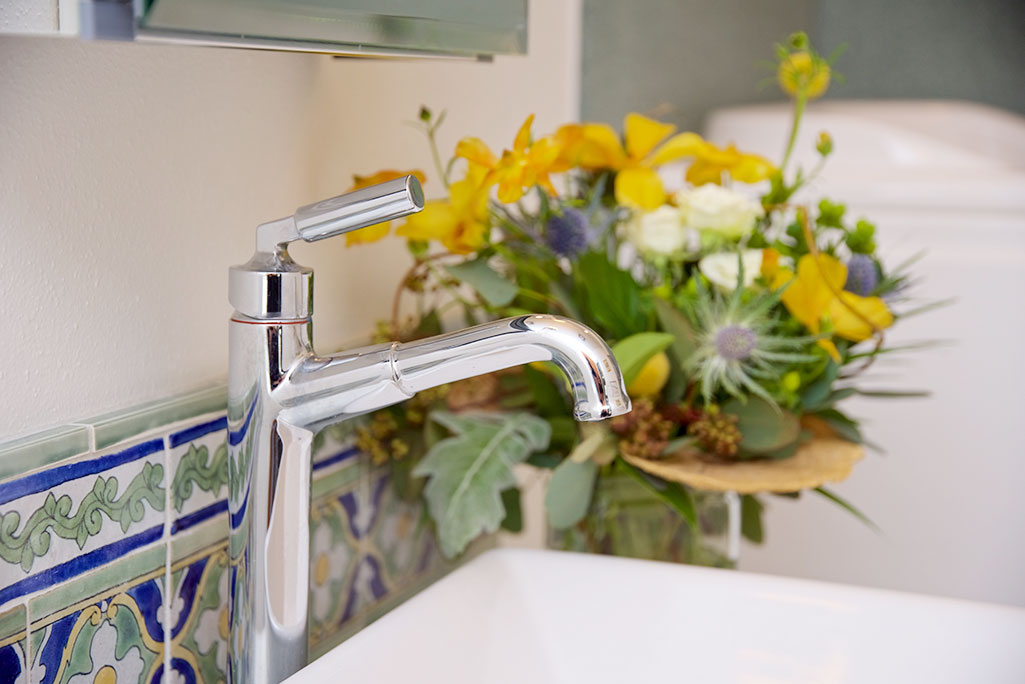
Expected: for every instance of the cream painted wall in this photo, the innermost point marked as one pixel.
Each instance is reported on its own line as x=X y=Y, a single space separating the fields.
x=132 y=176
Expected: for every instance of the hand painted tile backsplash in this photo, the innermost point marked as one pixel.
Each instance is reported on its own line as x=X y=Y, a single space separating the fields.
x=113 y=560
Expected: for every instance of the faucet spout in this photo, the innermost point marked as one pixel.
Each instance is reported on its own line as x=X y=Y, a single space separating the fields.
x=594 y=376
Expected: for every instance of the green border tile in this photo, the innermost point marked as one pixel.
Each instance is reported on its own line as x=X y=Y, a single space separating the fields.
x=21 y=455
x=336 y=481
x=117 y=426
x=206 y=534
x=12 y=625
x=102 y=579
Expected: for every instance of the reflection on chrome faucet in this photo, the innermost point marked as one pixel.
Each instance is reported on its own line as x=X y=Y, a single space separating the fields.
x=281 y=392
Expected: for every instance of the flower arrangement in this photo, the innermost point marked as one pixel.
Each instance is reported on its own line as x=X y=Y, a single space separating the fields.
x=741 y=318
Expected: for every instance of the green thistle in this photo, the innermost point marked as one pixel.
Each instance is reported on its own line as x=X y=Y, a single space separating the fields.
x=738 y=350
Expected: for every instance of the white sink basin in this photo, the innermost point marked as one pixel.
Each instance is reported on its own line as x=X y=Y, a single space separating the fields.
x=542 y=616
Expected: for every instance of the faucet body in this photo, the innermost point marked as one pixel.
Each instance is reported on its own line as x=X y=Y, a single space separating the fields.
x=280 y=392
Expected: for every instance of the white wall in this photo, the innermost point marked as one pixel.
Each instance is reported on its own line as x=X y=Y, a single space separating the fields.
x=132 y=176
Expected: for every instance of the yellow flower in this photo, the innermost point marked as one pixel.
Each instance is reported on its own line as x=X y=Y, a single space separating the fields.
x=460 y=223
x=647 y=144
x=378 y=231
x=810 y=299
x=524 y=166
x=803 y=73
x=652 y=377
x=711 y=162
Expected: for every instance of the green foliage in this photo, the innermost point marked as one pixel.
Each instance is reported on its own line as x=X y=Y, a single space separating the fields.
x=764 y=427
x=619 y=305
x=513 y=520
x=847 y=506
x=842 y=425
x=635 y=351
x=468 y=471
x=674 y=494
x=861 y=240
x=548 y=400
x=677 y=325
x=569 y=492
x=493 y=288
x=831 y=213
x=751 y=519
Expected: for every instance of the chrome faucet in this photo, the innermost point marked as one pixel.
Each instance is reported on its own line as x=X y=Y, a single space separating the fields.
x=280 y=392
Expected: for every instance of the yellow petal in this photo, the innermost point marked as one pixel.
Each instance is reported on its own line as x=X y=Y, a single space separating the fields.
x=643 y=134
x=435 y=222
x=599 y=148
x=770 y=265
x=510 y=189
x=852 y=326
x=475 y=151
x=680 y=145
x=830 y=349
x=367 y=235
x=640 y=188
x=359 y=182
x=751 y=168
x=652 y=377
x=702 y=172
x=523 y=135
x=809 y=295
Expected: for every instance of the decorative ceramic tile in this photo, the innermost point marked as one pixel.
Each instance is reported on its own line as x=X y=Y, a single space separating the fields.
x=65 y=521
x=20 y=456
x=333 y=554
x=13 y=647
x=197 y=617
x=116 y=636
x=400 y=536
x=111 y=428
x=198 y=459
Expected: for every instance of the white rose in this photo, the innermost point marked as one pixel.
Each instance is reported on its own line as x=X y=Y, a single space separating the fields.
x=660 y=231
x=718 y=210
x=723 y=269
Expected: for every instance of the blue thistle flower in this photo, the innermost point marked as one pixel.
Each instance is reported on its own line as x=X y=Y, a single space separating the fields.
x=862 y=275
x=568 y=234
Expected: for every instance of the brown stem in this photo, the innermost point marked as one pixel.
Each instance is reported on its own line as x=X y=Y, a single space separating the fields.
x=397 y=298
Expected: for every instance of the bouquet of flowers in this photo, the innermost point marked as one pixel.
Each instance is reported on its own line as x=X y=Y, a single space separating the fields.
x=741 y=319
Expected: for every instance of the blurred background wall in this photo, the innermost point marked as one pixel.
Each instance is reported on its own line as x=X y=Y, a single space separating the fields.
x=684 y=58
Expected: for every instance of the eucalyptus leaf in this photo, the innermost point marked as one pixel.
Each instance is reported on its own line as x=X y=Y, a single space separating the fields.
x=751 y=519
x=677 y=325
x=569 y=493
x=513 y=521
x=468 y=471
x=493 y=288
x=634 y=351
x=764 y=427
x=548 y=461
x=675 y=445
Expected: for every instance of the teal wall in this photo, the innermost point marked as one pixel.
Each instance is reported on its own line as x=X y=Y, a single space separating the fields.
x=681 y=59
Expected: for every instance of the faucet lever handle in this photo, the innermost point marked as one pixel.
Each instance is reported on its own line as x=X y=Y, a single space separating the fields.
x=358 y=209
